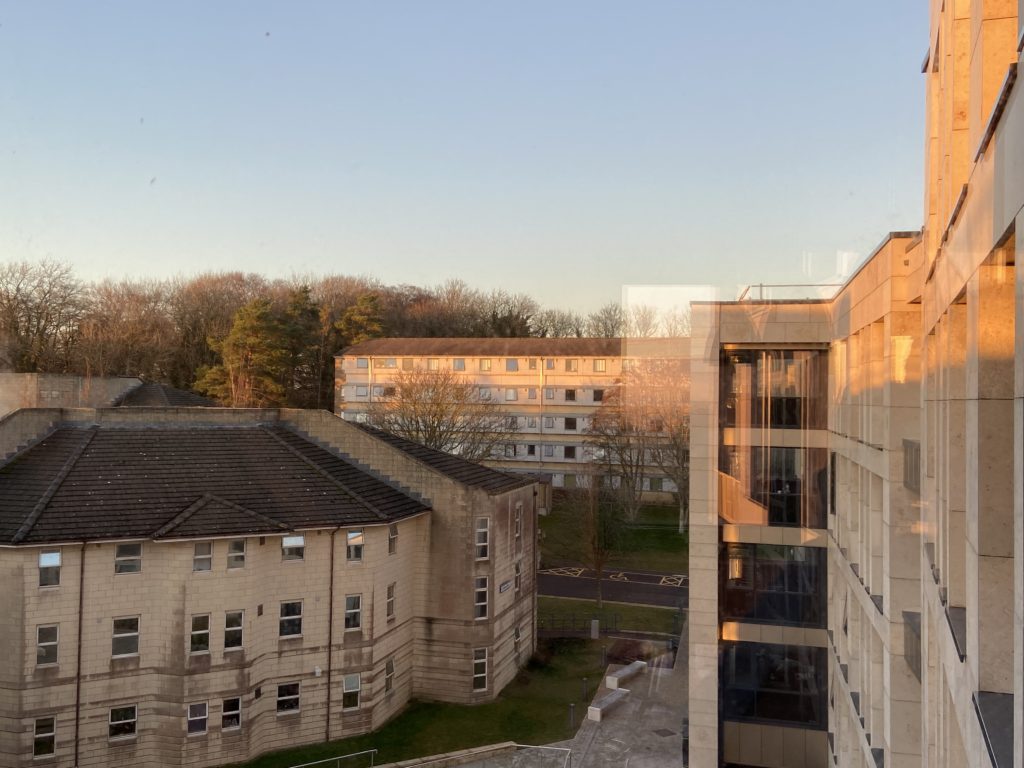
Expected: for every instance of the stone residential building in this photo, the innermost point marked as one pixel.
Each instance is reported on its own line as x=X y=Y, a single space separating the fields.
x=197 y=586
x=868 y=447
x=550 y=387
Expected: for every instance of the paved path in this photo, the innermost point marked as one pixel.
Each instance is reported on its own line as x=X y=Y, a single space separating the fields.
x=618 y=586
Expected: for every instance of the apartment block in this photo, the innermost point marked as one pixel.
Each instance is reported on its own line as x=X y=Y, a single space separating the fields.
x=550 y=388
x=868 y=446
x=197 y=586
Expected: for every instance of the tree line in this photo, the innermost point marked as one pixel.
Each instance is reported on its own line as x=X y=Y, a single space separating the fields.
x=248 y=340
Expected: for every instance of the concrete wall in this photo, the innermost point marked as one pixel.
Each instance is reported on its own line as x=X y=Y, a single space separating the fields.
x=49 y=390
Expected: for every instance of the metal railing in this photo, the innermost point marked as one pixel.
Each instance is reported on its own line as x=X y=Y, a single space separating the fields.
x=336 y=761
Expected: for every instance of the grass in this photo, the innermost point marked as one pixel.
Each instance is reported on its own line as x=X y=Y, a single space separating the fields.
x=639 y=618
x=653 y=543
x=533 y=709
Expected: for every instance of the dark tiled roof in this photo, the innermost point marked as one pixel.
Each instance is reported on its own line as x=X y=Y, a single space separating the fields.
x=141 y=482
x=526 y=347
x=466 y=472
x=162 y=396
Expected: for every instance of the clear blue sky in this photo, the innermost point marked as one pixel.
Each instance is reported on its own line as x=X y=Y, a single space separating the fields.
x=558 y=147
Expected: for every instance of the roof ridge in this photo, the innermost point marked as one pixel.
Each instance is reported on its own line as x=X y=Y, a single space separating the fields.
x=324 y=473
x=201 y=503
x=37 y=511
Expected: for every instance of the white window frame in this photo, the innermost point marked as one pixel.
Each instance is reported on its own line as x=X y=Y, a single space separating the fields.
x=198 y=713
x=572 y=365
x=130 y=722
x=511 y=365
x=115 y=636
x=549 y=422
x=393 y=538
x=44 y=732
x=549 y=393
x=433 y=364
x=517 y=523
x=531 y=393
x=549 y=451
x=291 y=618
x=481 y=595
x=485 y=363
x=458 y=363
x=362 y=362
x=235 y=713
x=600 y=365
x=549 y=363
x=43 y=646
x=230 y=631
x=293 y=548
x=49 y=564
x=389 y=601
x=482 y=538
x=485 y=393
x=288 y=696
x=355 y=540
x=511 y=394
x=125 y=559
x=389 y=675
x=353 y=613
x=362 y=390
x=480 y=669
x=531 y=422
x=195 y=636
x=236 y=558
x=351 y=683
x=202 y=556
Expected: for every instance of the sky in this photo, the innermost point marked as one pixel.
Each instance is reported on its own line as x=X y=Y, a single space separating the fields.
x=562 y=148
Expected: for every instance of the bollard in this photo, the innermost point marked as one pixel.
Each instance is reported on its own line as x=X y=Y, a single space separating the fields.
x=604 y=655
x=583 y=697
x=572 y=717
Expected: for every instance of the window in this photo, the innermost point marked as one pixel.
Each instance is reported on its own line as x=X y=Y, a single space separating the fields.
x=233 y=629
x=532 y=364
x=293 y=547
x=389 y=675
x=549 y=422
x=571 y=366
x=549 y=450
x=202 y=556
x=46 y=644
x=199 y=640
x=388 y=391
x=531 y=450
x=354 y=547
x=49 y=568
x=362 y=362
x=389 y=362
x=600 y=366
x=518 y=578
x=128 y=558
x=353 y=612
x=406 y=363
x=125 y=637
x=773 y=583
x=288 y=698
x=513 y=423
x=516 y=637
x=531 y=393
x=350 y=691
x=569 y=452
x=236 y=554
x=480 y=597
x=44 y=737
x=231 y=714
x=911 y=466
x=549 y=364
x=570 y=423
x=517 y=522
x=510 y=451
x=483 y=535
x=389 y=605
x=121 y=724
x=458 y=364
x=362 y=390
x=433 y=364
x=479 y=669
x=657 y=484
x=511 y=364
x=570 y=395
x=549 y=393
x=485 y=393
x=598 y=395
x=531 y=422
x=197 y=714
x=291 y=619
x=392 y=539
x=485 y=364
x=511 y=393
x=378 y=390
x=780 y=683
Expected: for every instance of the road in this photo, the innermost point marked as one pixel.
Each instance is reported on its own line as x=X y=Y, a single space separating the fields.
x=619 y=586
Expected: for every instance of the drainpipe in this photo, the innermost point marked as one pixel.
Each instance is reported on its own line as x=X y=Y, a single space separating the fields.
x=330 y=638
x=78 y=663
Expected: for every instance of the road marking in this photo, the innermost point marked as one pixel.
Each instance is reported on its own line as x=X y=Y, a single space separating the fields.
x=620 y=576
x=572 y=572
x=672 y=581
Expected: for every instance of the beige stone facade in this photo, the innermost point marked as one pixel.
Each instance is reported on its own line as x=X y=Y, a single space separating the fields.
x=925 y=526
x=192 y=656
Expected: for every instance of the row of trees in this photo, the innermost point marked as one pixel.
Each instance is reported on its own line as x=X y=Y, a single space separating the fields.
x=248 y=340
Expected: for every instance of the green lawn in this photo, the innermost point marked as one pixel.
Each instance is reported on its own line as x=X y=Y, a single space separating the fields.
x=534 y=709
x=652 y=544
x=639 y=618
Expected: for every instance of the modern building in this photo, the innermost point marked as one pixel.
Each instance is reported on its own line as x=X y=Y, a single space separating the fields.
x=857 y=483
x=550 y=388
x=196 y=586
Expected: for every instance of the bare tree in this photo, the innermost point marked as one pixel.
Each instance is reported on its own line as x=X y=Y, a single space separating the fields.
x=40 y=305
x=619 y=438
x=442 y=410
x=558 y=323
x=676 y=322
x=607 y=322
x=641 y=321
x=601 y=524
